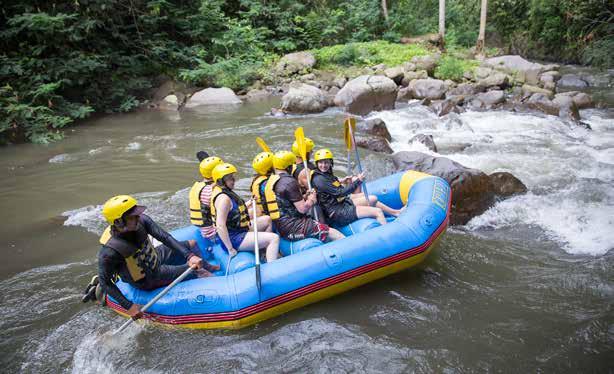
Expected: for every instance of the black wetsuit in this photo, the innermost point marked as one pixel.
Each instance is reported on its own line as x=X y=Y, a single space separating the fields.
x=334 y=198
x=172 y=262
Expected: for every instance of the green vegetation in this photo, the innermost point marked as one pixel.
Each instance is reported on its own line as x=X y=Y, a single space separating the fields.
x=62 y=60
x=453 y=68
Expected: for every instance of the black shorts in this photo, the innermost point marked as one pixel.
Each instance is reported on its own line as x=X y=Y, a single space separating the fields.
x=342 y=215
x=294 y=229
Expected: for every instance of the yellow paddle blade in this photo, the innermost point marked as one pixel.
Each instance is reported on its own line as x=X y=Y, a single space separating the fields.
x=299 y=134
x=263 y=145
x=349 y=128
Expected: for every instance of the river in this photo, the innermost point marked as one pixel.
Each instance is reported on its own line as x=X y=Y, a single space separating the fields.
x=526 y=286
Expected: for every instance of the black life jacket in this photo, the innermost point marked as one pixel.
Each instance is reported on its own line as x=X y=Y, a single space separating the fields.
x=237 y=219
x=329 y=202
x=200 y=214
x=140 y=261
x=277 y=205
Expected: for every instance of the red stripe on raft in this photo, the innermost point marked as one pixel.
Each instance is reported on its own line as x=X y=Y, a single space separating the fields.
x=256 y=308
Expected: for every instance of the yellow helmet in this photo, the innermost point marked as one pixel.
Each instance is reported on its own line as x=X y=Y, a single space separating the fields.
x=263 y=162
x=309 y=144
x=207 y=165
x=323 y=154
x=283 y=159
x=116 y=206
x=222 y=170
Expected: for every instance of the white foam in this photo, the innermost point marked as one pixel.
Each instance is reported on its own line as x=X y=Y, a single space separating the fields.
x=61 y=158
x=134 y=146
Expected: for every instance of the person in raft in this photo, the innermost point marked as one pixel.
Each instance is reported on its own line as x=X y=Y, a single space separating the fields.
x=298 y=166
x=287 y=206
x=128 y=252
x=231 y=217
x=334 y=195
x=200 y=199
x=263 y=166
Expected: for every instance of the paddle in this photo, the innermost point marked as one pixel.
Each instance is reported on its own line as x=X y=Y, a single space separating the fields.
x=263 y=145
x=349 y=129
x=155 y=299
x=299 y=134
x=348 y=142
x=257 y=250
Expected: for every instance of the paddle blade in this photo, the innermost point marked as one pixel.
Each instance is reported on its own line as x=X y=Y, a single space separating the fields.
x=349 y=127
x=299 y=134
x=263 y=144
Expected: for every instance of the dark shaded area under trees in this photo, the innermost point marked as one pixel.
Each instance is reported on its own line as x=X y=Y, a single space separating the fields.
x=60 y=61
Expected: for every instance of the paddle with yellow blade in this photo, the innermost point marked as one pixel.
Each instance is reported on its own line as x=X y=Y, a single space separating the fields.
x=299 y=134
x=263 y=145
x=349 y=128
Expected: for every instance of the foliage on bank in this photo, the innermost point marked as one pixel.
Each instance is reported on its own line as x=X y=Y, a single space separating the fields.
x=61 y=61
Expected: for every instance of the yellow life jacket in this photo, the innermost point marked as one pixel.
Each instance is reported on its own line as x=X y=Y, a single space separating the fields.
x=279 y=207
x=237 y=219
x=200 y=214
x=257 y=191
x=139 y=261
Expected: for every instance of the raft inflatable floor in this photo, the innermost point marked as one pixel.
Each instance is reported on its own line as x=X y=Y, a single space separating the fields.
x=310 y=271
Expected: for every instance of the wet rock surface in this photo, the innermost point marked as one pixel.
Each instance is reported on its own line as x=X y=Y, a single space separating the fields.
x=375 y=126
x=303 y=98
x=373 y=143
x=367 y=93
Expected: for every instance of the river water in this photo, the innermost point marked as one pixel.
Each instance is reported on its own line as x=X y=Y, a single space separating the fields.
x=527 y=286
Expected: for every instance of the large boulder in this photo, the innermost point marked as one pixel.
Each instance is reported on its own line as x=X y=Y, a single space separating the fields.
x=428 y=63
x=525 y=71
x=375 y=126
x=395 y=73
x=463 y=89
x=495 y=79
x=374 y=143
x=581 y=99
x=528 y=89
x=472 y=190
x=489 y=99
x=571 y=81
x=432 y=89
x=542 y=102
x=505 y=184
x=568 y=110
x=426 y=140
x=303 y=98
x=213 y=96
x=367 y=93
x=295 y=62
x=409 y=76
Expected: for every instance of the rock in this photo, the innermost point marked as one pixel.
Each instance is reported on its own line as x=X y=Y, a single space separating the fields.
x=413 y=75
x=427 y=140
x=409 y=66
x=550 y=67
x=482 y=73
x=333 y=91
x=427 y=89
x=464 y=89
x=433 y=38
x=568 y=110
x=496 y=79
x=374 y=143
x=428 y=63
x=375 y=126
x=505 y=184
x=404 y=94
x=295 y=62
x=571 y=81
x=472 y=190
x=528 y=89
x=308 y=77
x=491 y=98
x=395 y=73
x=554 y=74
x=447 y=106
x=213 y=96
x=303 y=98
x=542 y=102
x=257 y=95
x=524 y=70
x=367 y=93
x=581 y=99
x=340 y=81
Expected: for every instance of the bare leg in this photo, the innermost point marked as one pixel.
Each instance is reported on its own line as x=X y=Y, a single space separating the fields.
x=373 y=212
x=265 y=224
x=265 y=239
x=360 y=200
x=334 y=234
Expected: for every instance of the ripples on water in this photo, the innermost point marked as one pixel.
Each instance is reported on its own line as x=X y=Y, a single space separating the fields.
x=514 y=290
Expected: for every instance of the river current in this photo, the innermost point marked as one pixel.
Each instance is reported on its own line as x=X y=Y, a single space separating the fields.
x=526 y=286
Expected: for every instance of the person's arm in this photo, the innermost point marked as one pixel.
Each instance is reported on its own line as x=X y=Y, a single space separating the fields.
x=222 y=208
x=322 y=185
x=304 y=206
x=109 y=262
x=164 y=237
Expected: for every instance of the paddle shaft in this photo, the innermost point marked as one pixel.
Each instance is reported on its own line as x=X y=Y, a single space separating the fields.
x=256 y=247
x=306 y=168
x=155 y=299
x=364 y=184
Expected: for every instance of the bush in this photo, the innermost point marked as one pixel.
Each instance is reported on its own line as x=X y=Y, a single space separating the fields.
x=366 y=54
x=453 y=68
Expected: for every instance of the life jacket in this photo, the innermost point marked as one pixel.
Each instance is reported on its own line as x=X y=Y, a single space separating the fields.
x=139 y=260
x=200 y=214
x=258 y=191
x=279 y=207
x=237 y=219
x=327 y=201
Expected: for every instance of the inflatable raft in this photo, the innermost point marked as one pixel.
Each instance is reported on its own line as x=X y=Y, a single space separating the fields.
x=310 y=270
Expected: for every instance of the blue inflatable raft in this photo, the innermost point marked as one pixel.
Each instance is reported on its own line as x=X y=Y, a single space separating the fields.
x=310 y=270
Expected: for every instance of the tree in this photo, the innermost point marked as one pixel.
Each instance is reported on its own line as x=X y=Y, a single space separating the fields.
x=479 y=48
x=442 y=18
x=385 y=10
